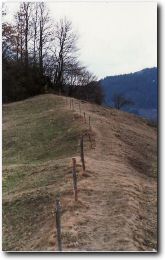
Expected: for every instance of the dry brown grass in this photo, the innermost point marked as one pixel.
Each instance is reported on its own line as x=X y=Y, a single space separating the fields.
x=117 y=206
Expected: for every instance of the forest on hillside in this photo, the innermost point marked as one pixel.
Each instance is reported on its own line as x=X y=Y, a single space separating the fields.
x=40 y=55
x=140 y=88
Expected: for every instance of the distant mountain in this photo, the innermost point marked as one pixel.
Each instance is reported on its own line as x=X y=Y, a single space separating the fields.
x=139 y=87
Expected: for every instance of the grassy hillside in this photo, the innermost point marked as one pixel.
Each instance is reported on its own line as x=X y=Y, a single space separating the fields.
x=39 y=139
x=116 y=209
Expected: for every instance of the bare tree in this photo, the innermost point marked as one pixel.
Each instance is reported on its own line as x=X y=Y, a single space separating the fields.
x=86 y=77
x=20 y=34
x=65 y=49
x=48 y=54
x=119 y=101
x=26 y=11
x=22 y=25
x=45 y=33
x=34 y=30
x=7 y=39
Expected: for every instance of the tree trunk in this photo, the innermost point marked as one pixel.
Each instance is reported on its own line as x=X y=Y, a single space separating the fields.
x=40 y=50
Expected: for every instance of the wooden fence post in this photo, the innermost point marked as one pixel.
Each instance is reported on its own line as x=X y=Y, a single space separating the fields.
x=58 y=222
x=74 y=178
x=72 y=105
x=84 y=118
x=89 y=122
x=82 y=153
x=79 y=107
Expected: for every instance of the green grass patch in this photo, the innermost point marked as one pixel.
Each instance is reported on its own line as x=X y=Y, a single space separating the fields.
x=21 y=178
x=23 y=217
x=40 y=137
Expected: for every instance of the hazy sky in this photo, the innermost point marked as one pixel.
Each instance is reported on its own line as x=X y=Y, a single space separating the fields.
x=114 y=37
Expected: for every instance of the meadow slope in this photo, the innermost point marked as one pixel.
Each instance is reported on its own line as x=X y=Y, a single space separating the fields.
x=117 y=206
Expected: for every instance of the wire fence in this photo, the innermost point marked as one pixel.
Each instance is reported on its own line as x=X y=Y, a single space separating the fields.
x=75 y=106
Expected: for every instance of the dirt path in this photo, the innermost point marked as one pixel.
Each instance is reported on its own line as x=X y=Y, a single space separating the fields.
x=121 y=212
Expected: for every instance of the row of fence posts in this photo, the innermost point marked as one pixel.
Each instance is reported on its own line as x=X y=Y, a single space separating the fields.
x=75 y=191
x=71 y=105
x=58 y=204
x=74 y=176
